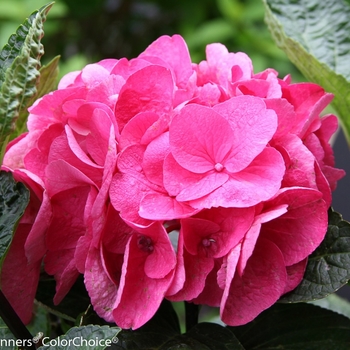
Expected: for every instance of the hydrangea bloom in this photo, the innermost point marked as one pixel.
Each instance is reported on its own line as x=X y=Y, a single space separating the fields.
x=236 y=165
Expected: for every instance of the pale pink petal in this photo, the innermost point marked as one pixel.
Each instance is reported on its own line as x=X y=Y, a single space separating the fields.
x=102 y=290
x=253 y=127
x=159 y=206
x=200 y=138
x=258 y=182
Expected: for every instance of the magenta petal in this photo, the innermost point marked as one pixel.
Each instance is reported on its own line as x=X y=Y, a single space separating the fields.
x=162 y=260
x=148 y=90
x=203 y=142
x=261 y=285
x=295 y=274
x=19 y=279
x=140 y=296
x=35 y=245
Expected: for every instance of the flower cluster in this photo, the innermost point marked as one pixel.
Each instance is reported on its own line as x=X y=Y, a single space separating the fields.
x=159 y=178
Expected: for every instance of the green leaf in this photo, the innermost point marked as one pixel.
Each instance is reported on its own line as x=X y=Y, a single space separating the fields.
x=46 y=83
x=71 y=307
x=19 y=69
x=162 y=332
x=14 y=198
x=89 y=337
x=328 y=267
x=315 y=37
x=295 y=327
x=335 y=303
x=7 y=339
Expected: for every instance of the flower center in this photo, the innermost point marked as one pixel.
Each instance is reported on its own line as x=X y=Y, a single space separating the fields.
x=207 y=242
x=218 y=167
x=145 y=244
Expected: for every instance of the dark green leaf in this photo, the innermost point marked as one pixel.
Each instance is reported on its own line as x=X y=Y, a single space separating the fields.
x=71 y=307
x=7 y=338
x=328 y=267
x=295 y=327
x=315 y=37
x=162 y=332
x=89 y=337
x=46 y=83
x=14 y=198
x=19 y=69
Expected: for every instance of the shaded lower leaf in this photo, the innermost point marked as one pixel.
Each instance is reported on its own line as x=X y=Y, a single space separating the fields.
x=71 y=307
x=328 y=267
x=14 y=198
x=295 y=327
x=162 y=332
x=7 y=339
x=89 y=337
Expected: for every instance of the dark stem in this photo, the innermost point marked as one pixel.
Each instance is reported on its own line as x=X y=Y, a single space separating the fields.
x=191 y=311
x=14 y=323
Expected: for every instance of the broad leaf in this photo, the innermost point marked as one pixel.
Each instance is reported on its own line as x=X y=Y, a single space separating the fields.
x=89 y=337
x=19 y=69
x=295 y=327
x=316 y=37
x=328 y=267
x=14 y=198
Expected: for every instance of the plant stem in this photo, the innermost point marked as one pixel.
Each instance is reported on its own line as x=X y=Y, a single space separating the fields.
x=14 y=323
x=191 y=311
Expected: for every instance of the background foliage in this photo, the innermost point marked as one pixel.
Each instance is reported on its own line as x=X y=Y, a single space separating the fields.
x=84 y=31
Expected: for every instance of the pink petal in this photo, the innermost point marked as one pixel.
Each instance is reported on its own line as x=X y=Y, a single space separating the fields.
x=172 y=50
x=299 y=231
x=135 y=129
x=153 y=159
x=139 y=296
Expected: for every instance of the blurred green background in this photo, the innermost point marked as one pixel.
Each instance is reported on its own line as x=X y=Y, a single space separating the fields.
x=85 y=31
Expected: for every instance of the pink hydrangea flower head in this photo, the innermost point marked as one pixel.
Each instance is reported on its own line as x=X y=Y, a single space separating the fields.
x=156 y=177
